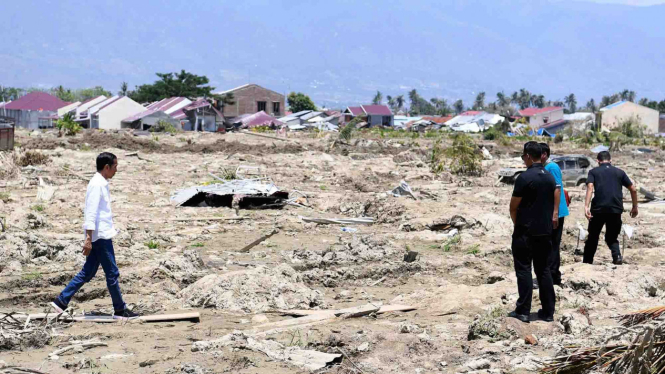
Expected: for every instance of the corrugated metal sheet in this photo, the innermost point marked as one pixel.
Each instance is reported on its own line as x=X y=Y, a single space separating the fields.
x=377 y=110
x=234 y=187
x=528 y=112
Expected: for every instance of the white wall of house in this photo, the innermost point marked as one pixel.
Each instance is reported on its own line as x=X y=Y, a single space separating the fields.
x=89 y=104
x=539 y=120
x=65 y=109
x=111 y=116
x=613 y=117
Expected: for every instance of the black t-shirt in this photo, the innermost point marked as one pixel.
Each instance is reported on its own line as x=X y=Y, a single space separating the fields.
x=536 y=188
x=607 y=182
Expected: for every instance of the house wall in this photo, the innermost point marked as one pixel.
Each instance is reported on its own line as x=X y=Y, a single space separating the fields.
x=28 y=119
x=62 y=111
x=111 y=117
x=613 y=117
x=537 y=121
x=83 y=107
x=246 y=100
x=377 y=120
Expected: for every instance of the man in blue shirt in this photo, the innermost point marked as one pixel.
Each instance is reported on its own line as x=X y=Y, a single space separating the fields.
x=554 y=169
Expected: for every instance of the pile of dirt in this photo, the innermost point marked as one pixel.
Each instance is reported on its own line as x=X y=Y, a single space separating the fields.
x=184 y=269
x=253 y=291
x=359 y=258
x=32 y=158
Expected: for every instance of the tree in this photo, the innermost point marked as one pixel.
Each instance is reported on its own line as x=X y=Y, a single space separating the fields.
x=458 y=106
x=63 y=94
x=591 y=106
x=627 y=95
x=173 y=84
x=89 y=93
x=441 y=106
x=538 y=101
x=378 y=98
x=419 y=105
x=644 y=101
x=123 y=89
x=391 y=102
x=501 y=99
x=571 y=101
x=524 y=98
x=557 y=103
x=661 y=106
x=479 y=103
x=399 y=101
x=9 y=93
x=298 y=102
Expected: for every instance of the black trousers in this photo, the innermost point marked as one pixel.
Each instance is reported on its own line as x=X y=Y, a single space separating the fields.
x=537 y=250
x=612 y=223
x=556 y=253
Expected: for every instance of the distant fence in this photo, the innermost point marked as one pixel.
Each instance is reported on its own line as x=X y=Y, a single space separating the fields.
x=6 y=137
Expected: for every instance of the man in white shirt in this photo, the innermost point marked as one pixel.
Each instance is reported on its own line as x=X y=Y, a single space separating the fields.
x=98 y=245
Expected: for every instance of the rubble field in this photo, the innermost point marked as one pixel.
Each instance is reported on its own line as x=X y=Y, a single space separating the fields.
x=445 y=254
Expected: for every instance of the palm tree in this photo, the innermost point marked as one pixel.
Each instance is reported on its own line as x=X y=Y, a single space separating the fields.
x=571 y=101
x=378 y=98
x=441 y=106
x=399 y=101
x=631 y=96
x=459 y=106
x=627 y=95
x=591 y=106
x=479 y=104
x=501 y=99
x=644 y=101
x=123 y=89
x=391 y=102
x=524 y=98
x=538 y=101
x=515 y=98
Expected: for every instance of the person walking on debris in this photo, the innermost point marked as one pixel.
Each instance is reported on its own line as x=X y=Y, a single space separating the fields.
x=557 y=231
x=98 y=245
x=605 y=181
x=532 y=209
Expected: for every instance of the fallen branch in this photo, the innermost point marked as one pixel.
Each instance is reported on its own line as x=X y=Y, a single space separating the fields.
x=349 y=358
x=19 y=370
x=193 y=219
x=79 y=346
x=269 y=137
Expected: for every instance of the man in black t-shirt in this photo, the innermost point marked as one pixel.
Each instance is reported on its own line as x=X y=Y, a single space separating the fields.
x=606 y=182
x=532 y=207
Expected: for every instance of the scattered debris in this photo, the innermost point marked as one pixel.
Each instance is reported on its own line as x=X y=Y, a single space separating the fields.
x=78 y=346
x=247 y=193
x=302 y=358
x=340 y=221
x=411 y=256
x=403 y=190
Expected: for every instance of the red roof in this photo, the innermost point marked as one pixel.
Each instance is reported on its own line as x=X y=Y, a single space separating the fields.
x=378 y=110
x=356 y=110
x=528 y=112
x=37 y=101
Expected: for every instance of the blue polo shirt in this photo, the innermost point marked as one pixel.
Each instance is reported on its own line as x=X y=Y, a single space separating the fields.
x=554 y=169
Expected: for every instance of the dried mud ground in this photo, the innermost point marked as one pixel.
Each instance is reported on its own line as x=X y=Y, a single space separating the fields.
x=461 y=287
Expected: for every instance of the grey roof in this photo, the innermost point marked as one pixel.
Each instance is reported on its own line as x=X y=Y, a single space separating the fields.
x=310 y=115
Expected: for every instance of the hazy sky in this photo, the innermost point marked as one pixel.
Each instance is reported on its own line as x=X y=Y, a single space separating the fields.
x=631 y=2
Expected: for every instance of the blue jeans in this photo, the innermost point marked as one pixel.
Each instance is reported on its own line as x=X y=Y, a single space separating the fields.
x=102 y=253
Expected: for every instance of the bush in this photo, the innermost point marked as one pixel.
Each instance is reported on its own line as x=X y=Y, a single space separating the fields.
x=260 y=129
x=632 y=127
x=488 y=325
x=32 y=158
x=464 y=155
x=558 y=138
x=436 y=158
x=164 y=126
x=67 y=125
x=346 y=133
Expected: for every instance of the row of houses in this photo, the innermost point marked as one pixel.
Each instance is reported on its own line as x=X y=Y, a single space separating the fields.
x=41 y=110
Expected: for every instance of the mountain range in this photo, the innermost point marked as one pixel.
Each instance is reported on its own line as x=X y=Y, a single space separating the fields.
x=341 y=52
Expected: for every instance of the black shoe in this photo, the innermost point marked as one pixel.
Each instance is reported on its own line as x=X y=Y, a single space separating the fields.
x=618 y=260
x=124 y=314
x=535 y=284
x=522 y=317
x=542 y=317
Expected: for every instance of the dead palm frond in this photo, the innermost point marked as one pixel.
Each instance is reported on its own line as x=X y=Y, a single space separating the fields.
x=645 y=355
x=640 y=316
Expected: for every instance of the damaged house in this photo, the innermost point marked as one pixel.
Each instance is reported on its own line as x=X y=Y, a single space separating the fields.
x=239 y=193
x=155 y=112
x=376 y=115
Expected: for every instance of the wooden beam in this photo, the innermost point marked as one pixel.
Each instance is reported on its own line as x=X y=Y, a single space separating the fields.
x=382 y=310
x=191 y=316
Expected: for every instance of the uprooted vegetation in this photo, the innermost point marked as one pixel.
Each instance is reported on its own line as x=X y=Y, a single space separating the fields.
x=31 y=158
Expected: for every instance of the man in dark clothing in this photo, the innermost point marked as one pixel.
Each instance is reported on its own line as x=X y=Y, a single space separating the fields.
x=532 y=208
x=606 y=182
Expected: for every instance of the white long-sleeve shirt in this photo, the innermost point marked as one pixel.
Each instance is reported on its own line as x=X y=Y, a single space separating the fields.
x=98 y=215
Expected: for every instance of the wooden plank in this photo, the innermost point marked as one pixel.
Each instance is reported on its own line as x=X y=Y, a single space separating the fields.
x=358 y=311
x=297 y=321
x=192 y=316
x=193 y=219
x=382 y=310
x=259 y=240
